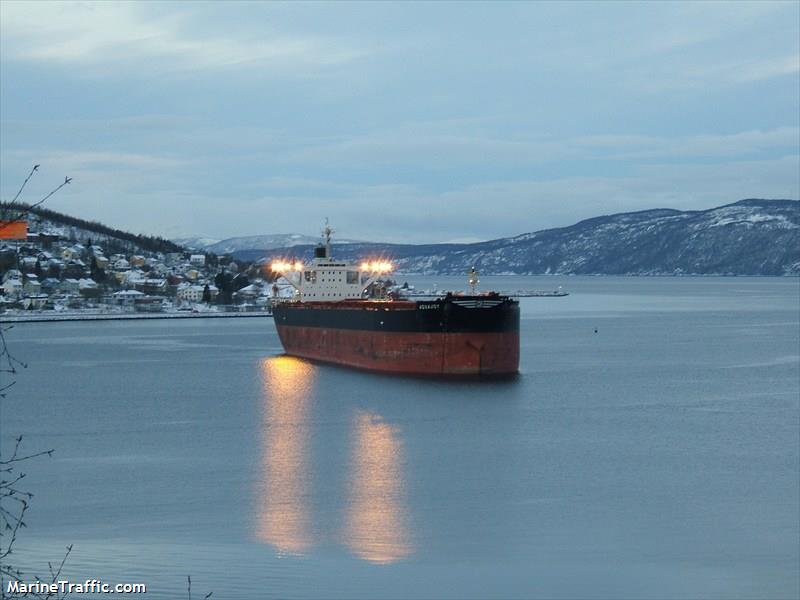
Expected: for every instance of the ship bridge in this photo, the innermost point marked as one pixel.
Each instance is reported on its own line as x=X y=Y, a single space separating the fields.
x=325 y=279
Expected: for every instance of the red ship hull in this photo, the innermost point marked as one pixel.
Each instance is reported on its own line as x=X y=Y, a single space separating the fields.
x=464 y=335
x=424 y=353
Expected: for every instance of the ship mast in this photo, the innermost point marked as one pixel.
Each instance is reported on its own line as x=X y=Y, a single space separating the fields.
x=473 y=280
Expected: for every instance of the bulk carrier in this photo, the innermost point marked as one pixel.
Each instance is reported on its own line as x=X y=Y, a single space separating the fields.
x=341 y=314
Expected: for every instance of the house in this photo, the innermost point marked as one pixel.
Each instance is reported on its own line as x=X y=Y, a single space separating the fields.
x=28 y=264
x=35 y=301
x=54 y=267
x=9 y=304
x=70 y=285
x=133 y=279
x=194 y=293
x=12 y=274
x=74 y=269
x=12 y=287
x=50 y=285
x=247 y=294
x=88 y=288
x=32 y=287
x=160 y=270
x=73 y=252
x=190 y=293
x=149 y=304
x=126 y=297
x=8 y=257
x=46 y=239
x=153 y=286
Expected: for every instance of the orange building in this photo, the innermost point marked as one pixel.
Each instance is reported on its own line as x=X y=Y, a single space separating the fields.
x=13 y=230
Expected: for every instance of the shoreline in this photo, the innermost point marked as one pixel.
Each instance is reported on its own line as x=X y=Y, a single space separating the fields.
x=40 y=318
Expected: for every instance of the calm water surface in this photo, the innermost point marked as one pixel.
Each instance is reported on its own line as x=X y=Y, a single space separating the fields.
x=657 y=456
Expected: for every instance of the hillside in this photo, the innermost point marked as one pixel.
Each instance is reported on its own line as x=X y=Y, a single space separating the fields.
x=44 y=220
x=749 y=237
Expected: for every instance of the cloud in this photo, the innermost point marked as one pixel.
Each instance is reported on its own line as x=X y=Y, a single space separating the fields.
x=113 y=33
x=159 y=201
x=410 y=213
x=412 y=145
x=72 y=161
x=408 y=122
x=685 y=74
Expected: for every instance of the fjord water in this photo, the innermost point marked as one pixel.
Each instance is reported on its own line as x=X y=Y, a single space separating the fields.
x=649 y=448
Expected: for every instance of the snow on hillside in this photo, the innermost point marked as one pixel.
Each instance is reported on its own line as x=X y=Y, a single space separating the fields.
x=750 y=237
x=251 y=242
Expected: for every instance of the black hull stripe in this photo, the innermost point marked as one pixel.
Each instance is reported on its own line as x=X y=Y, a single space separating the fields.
x=429 y=317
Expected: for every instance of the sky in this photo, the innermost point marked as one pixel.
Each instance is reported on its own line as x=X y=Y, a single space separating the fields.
x=400 y=122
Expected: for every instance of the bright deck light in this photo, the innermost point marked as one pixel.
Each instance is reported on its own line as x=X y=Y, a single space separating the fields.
x=280 y=266
x=376 y=266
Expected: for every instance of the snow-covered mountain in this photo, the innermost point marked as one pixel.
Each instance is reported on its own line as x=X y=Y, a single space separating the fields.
x=250 y=242
x=196 y=243
x=750 y=237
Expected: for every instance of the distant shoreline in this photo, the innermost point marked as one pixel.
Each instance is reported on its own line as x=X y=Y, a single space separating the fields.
x=40 y=318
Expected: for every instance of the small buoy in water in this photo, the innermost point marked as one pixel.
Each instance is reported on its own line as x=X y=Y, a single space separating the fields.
x=595 y=329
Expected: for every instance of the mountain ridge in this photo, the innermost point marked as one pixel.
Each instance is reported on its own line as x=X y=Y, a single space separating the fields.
x=250 y=242
x=748 y=237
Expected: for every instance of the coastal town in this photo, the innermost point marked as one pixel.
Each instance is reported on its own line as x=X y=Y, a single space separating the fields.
x=52 y=272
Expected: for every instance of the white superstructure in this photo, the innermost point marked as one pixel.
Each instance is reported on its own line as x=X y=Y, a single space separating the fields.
x=328 y=280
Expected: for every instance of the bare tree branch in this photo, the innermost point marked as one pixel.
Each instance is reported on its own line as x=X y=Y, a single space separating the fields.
x=24 y=183
x=16 y=211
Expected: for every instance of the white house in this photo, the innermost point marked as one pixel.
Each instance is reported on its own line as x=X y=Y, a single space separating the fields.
x=126 y=297
x=73 y=252
x=194 y=293
x=12 y=286
x=133 y=278
x=87 y=284
x=35 y=301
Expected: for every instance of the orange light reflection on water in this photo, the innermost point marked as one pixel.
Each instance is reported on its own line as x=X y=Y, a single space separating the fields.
x=376 y=527
x=283 y=513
